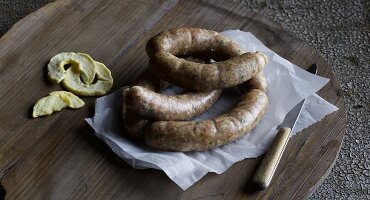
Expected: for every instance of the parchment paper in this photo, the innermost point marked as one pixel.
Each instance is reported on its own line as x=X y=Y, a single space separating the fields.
x=287 y=84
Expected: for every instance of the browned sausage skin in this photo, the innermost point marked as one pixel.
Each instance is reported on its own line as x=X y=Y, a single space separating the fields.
x=142 y=102
x=206 y=77
x=132 y=122
x=207 y=134
x=193 y=42
x=150 y=82
x=234 y=66
x=258 y=82
x=152 y=105
x=203 y=135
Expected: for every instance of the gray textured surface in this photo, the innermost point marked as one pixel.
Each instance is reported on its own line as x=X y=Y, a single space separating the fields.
x=339 y=30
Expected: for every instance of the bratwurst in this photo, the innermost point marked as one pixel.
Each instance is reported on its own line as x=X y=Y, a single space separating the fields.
x=144 y=99
x=234 y=66
x=196 y=42
x=207 y=134
x=152 y=105
x=143 y=94
x=132 y=122
x=257 y=82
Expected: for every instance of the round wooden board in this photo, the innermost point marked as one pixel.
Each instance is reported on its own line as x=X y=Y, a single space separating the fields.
x=59 y=157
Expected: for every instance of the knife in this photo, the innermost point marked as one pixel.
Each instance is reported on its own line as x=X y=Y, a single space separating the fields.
x=270 y=161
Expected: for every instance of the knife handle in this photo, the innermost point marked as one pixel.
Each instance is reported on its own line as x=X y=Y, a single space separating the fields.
x=270 y=161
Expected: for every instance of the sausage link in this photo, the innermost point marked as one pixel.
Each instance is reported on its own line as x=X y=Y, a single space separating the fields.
x=134 y=122
x=197 y=42
x=257 y=82
x=234 y=66
x=150 y=82
x=206 y=77
x=156 y=106
x=206 y=134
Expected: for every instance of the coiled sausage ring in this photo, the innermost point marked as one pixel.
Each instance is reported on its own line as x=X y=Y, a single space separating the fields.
x=233 y=67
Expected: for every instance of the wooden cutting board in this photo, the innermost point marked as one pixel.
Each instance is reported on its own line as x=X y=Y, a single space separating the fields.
x=58 y=157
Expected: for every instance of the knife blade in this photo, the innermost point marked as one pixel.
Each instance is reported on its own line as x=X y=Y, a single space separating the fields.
x=270 y=161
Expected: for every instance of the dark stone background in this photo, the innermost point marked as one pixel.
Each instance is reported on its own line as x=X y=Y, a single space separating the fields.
x=339 y=30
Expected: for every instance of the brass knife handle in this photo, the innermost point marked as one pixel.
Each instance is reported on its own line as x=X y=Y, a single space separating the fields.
x=270 y=161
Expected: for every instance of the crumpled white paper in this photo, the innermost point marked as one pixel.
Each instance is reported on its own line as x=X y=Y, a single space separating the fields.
x=287 y=86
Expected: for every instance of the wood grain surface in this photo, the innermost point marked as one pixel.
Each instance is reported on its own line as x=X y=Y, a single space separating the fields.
x=58 y=157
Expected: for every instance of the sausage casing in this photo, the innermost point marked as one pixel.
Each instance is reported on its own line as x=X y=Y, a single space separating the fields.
x=152 y=105
x=196 y=42
x=206 y=77
x=233 y=65
x=206 y=134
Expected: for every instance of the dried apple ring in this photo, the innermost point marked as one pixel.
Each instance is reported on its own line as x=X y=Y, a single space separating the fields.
x=81 y=62
x=73 y=82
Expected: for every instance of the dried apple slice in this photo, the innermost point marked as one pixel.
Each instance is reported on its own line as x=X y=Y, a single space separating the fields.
x=56 y=101
x=69 y=98
x=80 y=62
x=103 y=84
